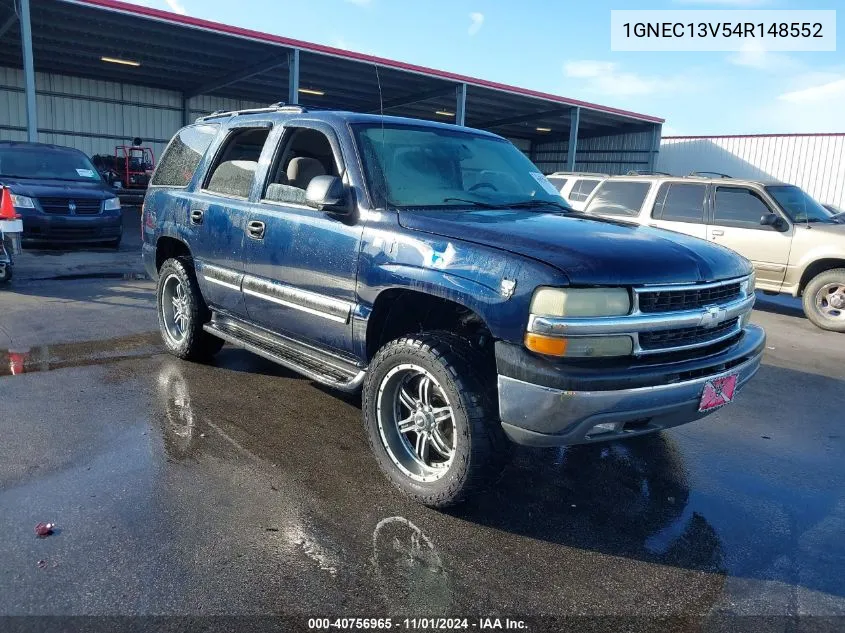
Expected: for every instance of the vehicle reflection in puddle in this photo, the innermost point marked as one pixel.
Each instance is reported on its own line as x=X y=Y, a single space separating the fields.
x=189 y=435
x=25 y=360
x=409 y=569
x=622 y=498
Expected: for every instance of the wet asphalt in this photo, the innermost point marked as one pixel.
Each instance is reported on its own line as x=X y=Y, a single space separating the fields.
x=239 y=488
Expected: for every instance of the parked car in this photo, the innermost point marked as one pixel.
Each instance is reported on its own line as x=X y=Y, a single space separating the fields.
x=59 y=195
x=434 y=268
x=576 y=187
x=796 y=245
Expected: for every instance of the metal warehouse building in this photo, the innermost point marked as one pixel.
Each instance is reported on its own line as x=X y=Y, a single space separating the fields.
x=814 y=162
x=93 y=74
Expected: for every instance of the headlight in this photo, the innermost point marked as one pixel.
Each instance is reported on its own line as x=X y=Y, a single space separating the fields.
x=22 y=202
x=750 y=284
x=111 y=204
x=581 y=302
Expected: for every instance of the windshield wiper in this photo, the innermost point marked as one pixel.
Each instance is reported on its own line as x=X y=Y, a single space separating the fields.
x=528 y=204
x=483 y=205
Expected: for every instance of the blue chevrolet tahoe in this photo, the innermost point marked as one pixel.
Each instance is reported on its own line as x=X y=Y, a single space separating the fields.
x=434 y=268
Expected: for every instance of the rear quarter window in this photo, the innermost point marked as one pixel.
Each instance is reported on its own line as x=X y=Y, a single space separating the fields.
x=623 y=198
x=557 y=181
x=183 y=155
x=680 y=202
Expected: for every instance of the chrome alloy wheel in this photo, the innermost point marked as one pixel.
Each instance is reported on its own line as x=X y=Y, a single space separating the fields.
x=174 y=308
x=830 y=300
x=416 y=422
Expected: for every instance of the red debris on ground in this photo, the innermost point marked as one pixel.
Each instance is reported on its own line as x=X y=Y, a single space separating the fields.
x=44 y=529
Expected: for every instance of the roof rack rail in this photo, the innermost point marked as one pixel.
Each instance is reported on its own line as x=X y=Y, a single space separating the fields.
x=276 y=107
x=708 y=174
x=644 y=172
x=579 y=173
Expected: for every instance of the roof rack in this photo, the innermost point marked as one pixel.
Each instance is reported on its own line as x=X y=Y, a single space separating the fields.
x=276 y=107
x=641 y=172
x=708 y=174
x=579 y=173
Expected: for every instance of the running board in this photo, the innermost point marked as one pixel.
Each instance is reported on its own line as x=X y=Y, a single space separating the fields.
x=311 y=362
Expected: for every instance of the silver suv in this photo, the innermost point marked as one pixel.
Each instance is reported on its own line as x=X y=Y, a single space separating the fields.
x=796 y=245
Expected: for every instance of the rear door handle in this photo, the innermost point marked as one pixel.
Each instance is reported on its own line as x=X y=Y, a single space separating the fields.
x=716 y=232
x=196 y=216
x=255 y=229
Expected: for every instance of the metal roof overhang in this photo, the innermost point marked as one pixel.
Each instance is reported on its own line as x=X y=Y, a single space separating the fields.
x=194 y=56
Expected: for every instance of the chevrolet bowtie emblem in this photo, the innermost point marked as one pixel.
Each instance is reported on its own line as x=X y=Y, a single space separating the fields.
x=713 y=316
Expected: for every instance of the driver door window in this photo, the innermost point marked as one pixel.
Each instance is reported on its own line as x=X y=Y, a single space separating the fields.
x=306 y=153
x=736 y=225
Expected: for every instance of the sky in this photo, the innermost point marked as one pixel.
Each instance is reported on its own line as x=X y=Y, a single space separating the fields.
x=563 y=47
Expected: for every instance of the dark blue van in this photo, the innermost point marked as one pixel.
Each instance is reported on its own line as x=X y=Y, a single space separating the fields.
x=59 y=195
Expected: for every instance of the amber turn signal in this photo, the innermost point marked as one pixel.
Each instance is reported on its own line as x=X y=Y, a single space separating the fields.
x=548 y=345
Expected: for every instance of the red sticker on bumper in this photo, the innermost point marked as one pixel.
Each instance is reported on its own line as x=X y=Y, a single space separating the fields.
x=717 y=393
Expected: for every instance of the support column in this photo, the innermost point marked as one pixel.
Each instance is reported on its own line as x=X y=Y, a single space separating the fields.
x=460 y=104
x=186 y=109
x=28 y=73
x=293 y=77
x=656 y=133
x=574 y=120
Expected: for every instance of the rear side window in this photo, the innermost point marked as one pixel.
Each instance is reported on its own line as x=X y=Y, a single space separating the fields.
x=740 y=207
x=557 y=181
x=680 y=202
x=615 y=197
x=582 y=189
x=182 y=157
x=233 y=171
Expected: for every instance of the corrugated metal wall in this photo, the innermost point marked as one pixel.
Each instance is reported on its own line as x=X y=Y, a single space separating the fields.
x=813 y=162
x=616 y=154
x=94 y=116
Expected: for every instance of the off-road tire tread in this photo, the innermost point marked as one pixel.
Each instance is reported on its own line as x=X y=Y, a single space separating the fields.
x=198 y=345
x=474 y=378
x=808 y=300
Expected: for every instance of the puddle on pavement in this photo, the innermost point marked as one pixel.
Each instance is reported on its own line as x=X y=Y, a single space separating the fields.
x=25 y=360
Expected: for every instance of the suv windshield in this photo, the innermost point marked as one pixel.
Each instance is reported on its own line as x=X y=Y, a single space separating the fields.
x=798 y=205
x=419 y=166
x=45 y=163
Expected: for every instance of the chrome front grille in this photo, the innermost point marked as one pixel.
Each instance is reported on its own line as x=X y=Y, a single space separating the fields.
x=686 y=337
x=668 y=300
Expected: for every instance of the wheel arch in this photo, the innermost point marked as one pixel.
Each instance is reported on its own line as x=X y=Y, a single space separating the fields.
x=818 y=267
x=168 y=247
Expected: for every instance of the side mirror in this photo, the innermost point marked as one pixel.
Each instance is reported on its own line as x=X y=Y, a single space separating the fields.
x=327 y=193
x=773 y=220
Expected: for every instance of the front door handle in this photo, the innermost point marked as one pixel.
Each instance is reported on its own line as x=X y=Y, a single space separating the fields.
x=255 y=229
x=196 y=216
x=716 y=232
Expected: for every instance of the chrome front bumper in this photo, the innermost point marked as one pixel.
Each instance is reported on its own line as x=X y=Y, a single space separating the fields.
x=535 y=415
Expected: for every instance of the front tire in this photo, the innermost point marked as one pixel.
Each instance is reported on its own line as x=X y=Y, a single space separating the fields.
x=6 y=274
x=824 y=300
x=431 y=418
x=182 y=312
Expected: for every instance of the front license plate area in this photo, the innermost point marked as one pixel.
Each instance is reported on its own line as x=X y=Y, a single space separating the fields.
x=717 y=393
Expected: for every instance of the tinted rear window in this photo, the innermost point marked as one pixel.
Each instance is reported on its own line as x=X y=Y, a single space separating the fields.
x=182 y=157
x=679 y=202
x=582 y=190
x=619 y=198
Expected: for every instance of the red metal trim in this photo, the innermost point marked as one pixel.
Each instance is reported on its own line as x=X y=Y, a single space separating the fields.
x=217 y=27
x=791 y=134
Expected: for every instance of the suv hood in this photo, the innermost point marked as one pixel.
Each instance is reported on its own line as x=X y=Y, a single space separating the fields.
x=57 y=188
x=589 y=250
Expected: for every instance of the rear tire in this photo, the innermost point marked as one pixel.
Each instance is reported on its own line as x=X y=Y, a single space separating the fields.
x=439 y=389
x=182 y=312
x=824 y=300
x=6 y=274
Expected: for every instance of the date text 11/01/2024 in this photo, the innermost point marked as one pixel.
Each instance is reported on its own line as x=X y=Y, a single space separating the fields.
x=714 y=30
x=418 y=624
